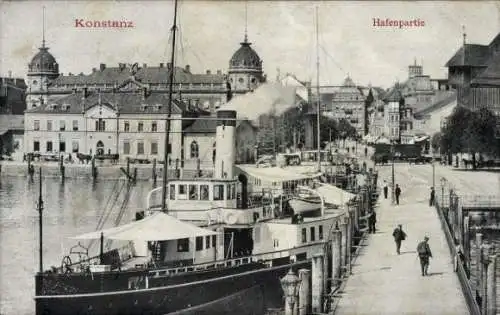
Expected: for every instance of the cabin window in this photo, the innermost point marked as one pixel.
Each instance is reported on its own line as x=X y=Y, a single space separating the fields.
x=204 y=192
x=193 y=192
x=199 y=243
x=320 y=232
x=207 y=241
x=313 y=234
x=183 y=245
x=233 y=195
x=218 y=192
x=304 y=235
x=214 y=240
x=172 y=192
x=257 y=234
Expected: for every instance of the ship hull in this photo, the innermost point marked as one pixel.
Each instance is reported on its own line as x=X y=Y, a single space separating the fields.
x=204 y=296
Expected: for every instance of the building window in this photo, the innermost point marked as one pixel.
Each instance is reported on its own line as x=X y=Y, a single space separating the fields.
x=75 y=125
x=100 y=125
x=140 y=126
x=74 y=146
x=193 y=192
x=126 y=126
x=172 y=192
x=49 y=146
x=62 y=125
x=207 y=241
x=36 y=125
x=154 y=126
x=62 y=146
x=304 y=235
x=36 y=146
x=194 y=150
x=126 y=147
x=183 y=245
x=49 y=125
x=199 y=243
x=320 y=232
x=313 y=234
x=140 y=147
x=203 y=192
x=154 y=148
x=218 y=192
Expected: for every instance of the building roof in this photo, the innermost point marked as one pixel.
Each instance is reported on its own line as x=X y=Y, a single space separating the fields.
x=441 y=100
x=470 y=55
x=245 y=58
x=124 y=102
x=202 y=125
x=491 y=75
x=44 y=62
x=146 y=75
x=12 y=96
x=394 y=94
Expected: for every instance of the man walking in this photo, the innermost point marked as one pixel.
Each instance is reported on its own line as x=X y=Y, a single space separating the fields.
x=432 y=197
x=399 y=236
x=397 y=192
x=372 y=219
x=386 y=189
x=424 y=253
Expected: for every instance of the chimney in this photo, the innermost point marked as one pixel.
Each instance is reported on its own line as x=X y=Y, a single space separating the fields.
x=121 y=66
x=94 y=70
x=144 y=65
x=102 y=66
x=169 y=65
x=161 y=65
x=208 y=72
x=70 y=74
x=225 y=149
x=219 y=72
x=188 y=68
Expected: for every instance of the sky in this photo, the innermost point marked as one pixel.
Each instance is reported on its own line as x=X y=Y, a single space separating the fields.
x=282 y=33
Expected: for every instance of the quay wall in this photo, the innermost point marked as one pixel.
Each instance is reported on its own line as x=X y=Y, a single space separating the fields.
x=104 y=171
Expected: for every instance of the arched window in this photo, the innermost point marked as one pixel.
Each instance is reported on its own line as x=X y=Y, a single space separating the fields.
x=194 y=150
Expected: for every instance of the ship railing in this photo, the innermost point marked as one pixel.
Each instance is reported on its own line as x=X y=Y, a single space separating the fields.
x=219 y=264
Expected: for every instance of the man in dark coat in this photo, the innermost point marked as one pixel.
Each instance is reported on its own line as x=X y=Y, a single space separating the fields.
x=386 y=189
x=397 y=193
x=372 y=219
x=399 y=236
x=432 y=198
x=424 y=253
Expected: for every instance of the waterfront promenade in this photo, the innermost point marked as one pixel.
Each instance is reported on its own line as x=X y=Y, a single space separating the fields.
x=383 y=282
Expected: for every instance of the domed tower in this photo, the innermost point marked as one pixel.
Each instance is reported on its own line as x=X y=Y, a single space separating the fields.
x=245 y=69
x=41 y=70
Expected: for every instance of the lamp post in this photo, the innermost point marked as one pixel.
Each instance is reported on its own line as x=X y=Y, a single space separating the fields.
x=393 y=179
x=443 y=182
x=290 y=284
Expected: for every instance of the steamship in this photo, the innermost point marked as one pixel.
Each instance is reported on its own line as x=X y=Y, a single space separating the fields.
x=221 y=247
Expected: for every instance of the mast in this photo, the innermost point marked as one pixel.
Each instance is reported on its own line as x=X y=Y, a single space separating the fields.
x=40 y=223
x=169 y=114
x=317 y=89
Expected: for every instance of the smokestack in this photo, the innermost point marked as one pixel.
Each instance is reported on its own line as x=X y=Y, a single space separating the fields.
x=188 y=68
x=102 y=66
x=169 y=65
x=209 y=72
x=144 y=65
x=225 y=145
x=94 y=70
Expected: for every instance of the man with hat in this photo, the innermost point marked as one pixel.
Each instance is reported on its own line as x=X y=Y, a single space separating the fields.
x=424 y=253
x=399 y=236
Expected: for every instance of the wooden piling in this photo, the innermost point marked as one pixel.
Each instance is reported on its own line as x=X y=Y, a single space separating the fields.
x=317 y=283
x=305 y=292
x=491 y=286
x=336 y=253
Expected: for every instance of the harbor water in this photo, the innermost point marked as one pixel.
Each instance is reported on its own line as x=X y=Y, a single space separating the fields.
x=70 y=208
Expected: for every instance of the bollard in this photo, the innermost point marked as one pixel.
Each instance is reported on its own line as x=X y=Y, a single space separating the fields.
x=336 y=253
x=304 y=292
x=317 y=283
x=491 y=286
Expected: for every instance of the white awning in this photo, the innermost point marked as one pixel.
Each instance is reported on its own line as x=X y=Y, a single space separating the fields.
x=278 y=174
x=157 y=227
x=334 y=195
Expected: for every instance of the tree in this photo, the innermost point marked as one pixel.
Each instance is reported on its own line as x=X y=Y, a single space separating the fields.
x=436 y=141
x=470 y=131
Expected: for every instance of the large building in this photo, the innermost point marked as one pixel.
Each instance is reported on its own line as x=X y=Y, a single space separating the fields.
x=123 y=110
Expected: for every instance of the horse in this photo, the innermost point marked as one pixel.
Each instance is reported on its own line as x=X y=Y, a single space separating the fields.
x=83 y=158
